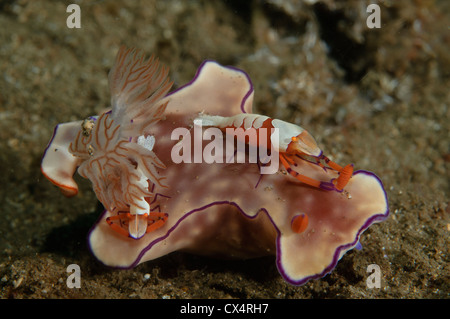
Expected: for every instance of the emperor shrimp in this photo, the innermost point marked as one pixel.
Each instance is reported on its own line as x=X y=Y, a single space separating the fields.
x=293 y=141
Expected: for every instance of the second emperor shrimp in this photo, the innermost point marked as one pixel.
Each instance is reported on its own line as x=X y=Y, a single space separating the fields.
x=293 y=141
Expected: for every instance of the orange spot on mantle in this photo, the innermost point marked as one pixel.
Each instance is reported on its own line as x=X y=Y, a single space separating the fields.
x=299 y=223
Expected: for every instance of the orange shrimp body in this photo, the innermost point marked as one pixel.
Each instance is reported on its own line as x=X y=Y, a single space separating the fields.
x=292 y=140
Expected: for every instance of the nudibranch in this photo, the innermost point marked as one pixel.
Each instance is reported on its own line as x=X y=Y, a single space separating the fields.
x=156 y=204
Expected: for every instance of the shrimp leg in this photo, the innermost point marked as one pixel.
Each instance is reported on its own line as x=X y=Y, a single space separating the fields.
x=120 y=222
x=345 y=173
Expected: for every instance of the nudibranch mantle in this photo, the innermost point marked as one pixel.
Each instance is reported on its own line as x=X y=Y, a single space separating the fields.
x=228 y=209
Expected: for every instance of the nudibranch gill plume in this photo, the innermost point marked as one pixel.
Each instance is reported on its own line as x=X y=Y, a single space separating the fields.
x=111 y=150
